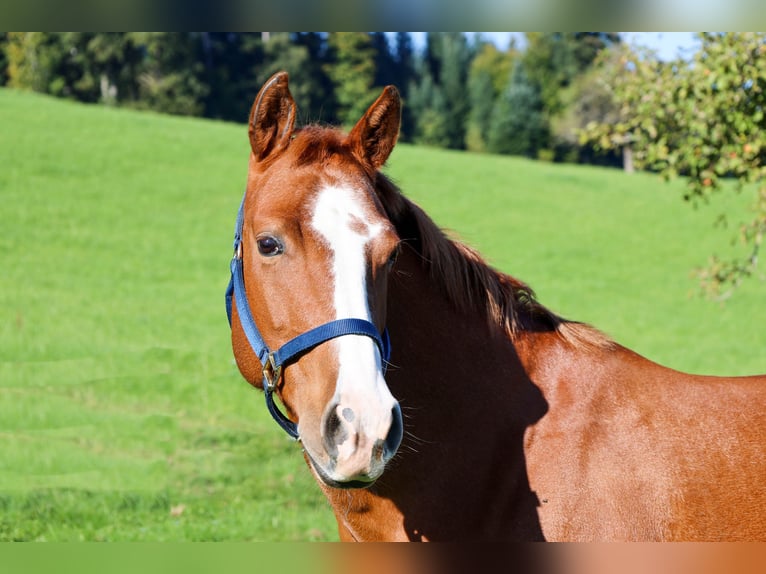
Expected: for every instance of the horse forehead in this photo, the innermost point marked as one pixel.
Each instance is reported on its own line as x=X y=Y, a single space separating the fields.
x=345 y=208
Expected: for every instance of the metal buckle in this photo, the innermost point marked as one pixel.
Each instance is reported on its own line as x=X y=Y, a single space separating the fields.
x=238 y=251
x=271 y=372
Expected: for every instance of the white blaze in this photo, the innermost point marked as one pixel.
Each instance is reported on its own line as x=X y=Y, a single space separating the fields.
x=341 y=220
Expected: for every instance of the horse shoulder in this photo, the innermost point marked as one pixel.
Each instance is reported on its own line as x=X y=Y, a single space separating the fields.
x=632 y=450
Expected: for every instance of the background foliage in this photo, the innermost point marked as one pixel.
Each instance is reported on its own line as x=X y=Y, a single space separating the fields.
x=454 y=87
x=705 y=120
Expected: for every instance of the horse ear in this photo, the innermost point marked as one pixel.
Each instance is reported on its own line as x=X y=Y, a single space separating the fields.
x=272 y=117
x=374 y=136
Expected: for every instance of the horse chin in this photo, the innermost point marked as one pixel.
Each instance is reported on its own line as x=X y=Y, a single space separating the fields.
x=324 y=477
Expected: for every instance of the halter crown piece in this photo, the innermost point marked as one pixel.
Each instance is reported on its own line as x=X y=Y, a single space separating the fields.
x=274 y=361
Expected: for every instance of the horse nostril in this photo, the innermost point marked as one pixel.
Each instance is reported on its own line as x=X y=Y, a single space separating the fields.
x=334 y=432
x=395 y=432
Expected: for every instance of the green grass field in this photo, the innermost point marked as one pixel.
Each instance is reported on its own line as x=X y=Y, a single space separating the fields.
x=122 y=414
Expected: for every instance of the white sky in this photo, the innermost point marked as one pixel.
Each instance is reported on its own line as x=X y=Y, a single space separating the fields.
x=667 y=44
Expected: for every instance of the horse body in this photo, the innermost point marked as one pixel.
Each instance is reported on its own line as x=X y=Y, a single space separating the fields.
x=536 y=437
x=647 y=453
x=518 y=424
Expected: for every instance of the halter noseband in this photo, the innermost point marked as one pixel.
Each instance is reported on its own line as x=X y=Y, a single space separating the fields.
x=274 y=361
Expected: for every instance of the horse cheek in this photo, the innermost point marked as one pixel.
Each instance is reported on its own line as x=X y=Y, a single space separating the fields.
x=247 y=362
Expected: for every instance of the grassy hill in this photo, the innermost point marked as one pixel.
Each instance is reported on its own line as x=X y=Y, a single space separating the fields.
x=122 y=415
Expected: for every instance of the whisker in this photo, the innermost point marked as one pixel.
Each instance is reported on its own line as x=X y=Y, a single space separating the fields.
x=390 y=365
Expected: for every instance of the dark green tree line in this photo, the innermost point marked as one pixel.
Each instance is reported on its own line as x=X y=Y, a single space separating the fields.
x=460 y=92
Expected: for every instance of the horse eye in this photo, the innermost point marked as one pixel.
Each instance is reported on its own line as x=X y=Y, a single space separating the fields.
x=269 y=246
x=393 y=257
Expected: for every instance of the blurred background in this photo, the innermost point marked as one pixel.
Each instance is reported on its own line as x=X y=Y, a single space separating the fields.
x=454 y=84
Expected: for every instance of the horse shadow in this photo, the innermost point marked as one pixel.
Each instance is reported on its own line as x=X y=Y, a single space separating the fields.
x=461 y=471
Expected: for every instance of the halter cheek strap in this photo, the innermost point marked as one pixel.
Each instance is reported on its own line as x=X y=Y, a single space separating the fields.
x=274 y=361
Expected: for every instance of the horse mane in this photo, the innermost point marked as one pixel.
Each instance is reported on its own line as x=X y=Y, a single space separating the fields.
x=315 y=144
x=466 y=279
x=470 y=283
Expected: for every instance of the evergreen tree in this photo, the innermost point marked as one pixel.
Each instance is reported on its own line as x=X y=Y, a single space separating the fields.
x=487 y=77
x=385 y=65
x=429 y=108
x=231 y=61
x=549 y=65
x=456 y=58
x=432 y=56
x=3 y=58
x=442 y=90
x=404 y=58
x=553 y=60
x=323 y=106
x=351 y=67
x=553 y=63
x=518 y=125
x=482 y=96
x=282 y=52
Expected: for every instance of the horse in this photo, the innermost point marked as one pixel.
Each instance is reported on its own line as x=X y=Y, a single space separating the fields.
x=434 y=397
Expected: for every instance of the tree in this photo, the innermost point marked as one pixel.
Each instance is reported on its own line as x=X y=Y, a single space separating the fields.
x=404 y=58
x=456 y=58
x=172 y=74
x=231 y=61
x=385 y=65
x=588 y=99
x=429 y=109
x=35 y=61
x=586 y=46
x=284 y=51
x=549 y=64
x=113 y=60
x=553 y=60
x=482 y=97
x=351 y=67
x=487 y=77
x=3 y=58
x=89 y=67
x=442 y=91
x=518 y=126
x=322 y=106
x=432 y=56
x=705 y=120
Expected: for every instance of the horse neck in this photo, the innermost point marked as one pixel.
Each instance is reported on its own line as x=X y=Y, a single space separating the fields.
x=464 y=393
x=475 y=362
x=464 y=345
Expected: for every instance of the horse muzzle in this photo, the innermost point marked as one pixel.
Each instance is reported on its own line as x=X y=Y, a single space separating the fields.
x=357 y=449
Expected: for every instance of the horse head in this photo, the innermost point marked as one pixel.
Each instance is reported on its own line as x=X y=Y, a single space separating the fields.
x=315 y=249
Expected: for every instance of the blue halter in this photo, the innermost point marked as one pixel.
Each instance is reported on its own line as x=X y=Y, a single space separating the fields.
x=274 y=361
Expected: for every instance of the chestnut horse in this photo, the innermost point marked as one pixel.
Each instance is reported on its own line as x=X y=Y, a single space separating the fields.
x=518 y=424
